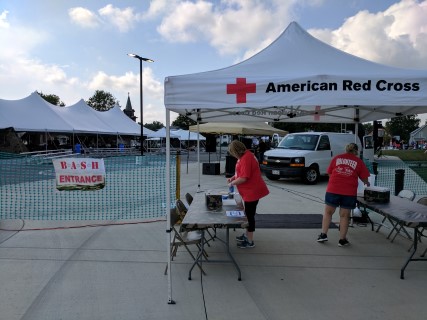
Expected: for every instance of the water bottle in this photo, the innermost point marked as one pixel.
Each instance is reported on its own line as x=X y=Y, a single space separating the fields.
x=231 y=192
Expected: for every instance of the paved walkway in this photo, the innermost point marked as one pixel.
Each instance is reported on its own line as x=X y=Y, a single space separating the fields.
x=116 y=272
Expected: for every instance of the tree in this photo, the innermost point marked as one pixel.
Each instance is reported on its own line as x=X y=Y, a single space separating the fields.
x=183 y=122
x=403 y=126
x=368 y=128
x=52 y=98
x=155 y=125
x=102 y=100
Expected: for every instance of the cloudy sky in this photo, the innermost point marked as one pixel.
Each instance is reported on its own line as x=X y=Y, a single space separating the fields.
x=72 y=48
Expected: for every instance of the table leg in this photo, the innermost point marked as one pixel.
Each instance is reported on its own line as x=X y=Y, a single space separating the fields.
x=199 y=256
x=402 y=271
x=227 y=244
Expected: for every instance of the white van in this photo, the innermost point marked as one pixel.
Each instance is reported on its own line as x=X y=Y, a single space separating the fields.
x=306 y=155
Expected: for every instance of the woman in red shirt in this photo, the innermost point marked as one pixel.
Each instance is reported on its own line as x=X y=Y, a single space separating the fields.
x=344 y=173
x=251 y=187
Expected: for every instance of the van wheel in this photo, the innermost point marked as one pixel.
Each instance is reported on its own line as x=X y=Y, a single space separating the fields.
x=272 y=177
x=311 y=175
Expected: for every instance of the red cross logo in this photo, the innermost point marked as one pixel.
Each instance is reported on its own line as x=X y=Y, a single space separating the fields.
x=240 y=89
x=318 y=113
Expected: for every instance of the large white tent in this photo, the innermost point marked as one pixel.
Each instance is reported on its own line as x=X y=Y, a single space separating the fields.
x=32 y=113
x=35 y=114
x=297 y=78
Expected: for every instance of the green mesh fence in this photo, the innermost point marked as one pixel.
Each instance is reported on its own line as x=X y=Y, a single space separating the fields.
x=415 y=177
x=135 y=189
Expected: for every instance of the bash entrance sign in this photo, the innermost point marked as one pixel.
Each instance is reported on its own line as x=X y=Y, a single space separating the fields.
x=79 y=174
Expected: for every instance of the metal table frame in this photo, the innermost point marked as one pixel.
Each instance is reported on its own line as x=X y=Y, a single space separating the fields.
x=199 y=217
x=406 y=213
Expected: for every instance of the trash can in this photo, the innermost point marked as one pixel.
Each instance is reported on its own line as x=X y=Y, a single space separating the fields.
x=375 y=167
x=230 y=166
x=399 y=180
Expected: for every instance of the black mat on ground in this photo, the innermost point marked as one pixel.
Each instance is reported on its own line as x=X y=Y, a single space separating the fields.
x=290 y=221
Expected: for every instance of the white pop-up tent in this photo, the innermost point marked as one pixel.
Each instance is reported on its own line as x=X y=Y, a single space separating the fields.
x=297 y=78
x=188 y=135
x=241 y=128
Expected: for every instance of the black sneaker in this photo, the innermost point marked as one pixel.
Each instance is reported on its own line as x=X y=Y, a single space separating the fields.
x=245 y=244
x=241 y=238
x=343 y=243
x=323 y=237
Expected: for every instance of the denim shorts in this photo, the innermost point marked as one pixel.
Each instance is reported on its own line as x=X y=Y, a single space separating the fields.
x=338 y=200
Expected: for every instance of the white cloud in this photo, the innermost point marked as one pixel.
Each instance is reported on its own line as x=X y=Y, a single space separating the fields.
x=28 y=75
x=21 y=72
x=123 y=19
x=83 y=17
x=129 y=82
x=187 y=22
x=3 y=19
x=397 y=36
x=160 y=7
x=231 y=27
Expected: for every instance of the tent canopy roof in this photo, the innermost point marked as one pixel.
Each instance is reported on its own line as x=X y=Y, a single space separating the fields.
x=35 y=114
x=187 y=135
x=298 y=78
x=253 y=128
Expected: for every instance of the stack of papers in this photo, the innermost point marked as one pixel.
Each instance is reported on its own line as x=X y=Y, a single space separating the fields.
x=235 y=213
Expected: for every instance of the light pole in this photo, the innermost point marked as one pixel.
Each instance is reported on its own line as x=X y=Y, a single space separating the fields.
x=140 y=90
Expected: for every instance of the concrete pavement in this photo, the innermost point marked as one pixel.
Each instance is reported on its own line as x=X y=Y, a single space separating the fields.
x=116 y=272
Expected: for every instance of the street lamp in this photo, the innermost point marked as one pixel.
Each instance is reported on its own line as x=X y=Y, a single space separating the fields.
x=140 y=90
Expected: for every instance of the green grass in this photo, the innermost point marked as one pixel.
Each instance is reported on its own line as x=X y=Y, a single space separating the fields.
x=411 y=156
x=407 y=155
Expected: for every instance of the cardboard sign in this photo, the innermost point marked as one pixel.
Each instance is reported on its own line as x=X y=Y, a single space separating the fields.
x=79 y=173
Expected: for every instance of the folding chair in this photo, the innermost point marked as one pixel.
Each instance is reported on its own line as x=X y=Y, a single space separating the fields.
x=188 y=198
x=423 y=201
x=406 y=194
x=183 y=238
x=182 y=208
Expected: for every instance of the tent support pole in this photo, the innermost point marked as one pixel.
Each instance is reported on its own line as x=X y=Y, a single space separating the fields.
x=168 y=207
x=198 y=148
x=356 y=130
x=188 y=148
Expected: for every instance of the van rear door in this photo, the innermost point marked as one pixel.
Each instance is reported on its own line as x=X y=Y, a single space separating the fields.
x=323 y=154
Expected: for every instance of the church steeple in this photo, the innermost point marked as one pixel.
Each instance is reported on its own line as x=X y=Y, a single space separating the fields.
x=128 y=110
